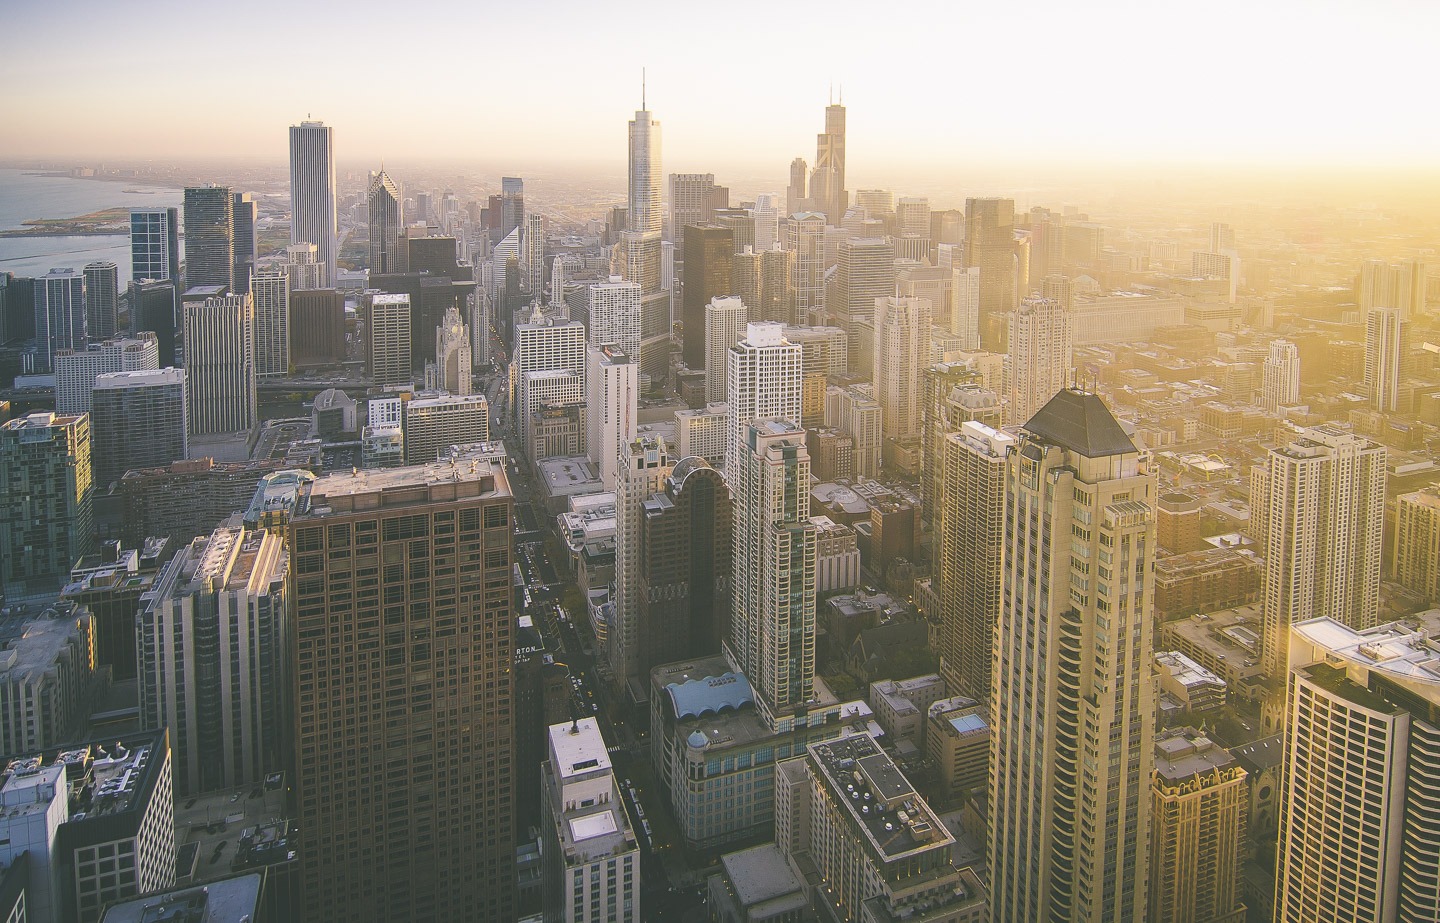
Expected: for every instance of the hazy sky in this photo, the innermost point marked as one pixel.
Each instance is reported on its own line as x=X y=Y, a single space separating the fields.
x=736 y=85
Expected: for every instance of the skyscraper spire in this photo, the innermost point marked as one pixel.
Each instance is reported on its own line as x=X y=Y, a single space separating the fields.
x=643 y=107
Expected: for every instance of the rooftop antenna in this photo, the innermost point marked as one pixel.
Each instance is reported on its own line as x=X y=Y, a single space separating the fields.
x=831 y=101
x=642 y=91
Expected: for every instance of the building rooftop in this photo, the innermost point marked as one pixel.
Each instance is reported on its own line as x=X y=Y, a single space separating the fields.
x=878 y=799
x=710 y=695
x=229 y=900
x=1393 y=649
x=483 y=477
x=1258 y=755
x=1182 y=754
x=150 y=377
x=34 y=647
x=105 y=779
x=578 y=748
x=1080 y=421
x=223 y=832
x=1185 y=671
x=761 y=874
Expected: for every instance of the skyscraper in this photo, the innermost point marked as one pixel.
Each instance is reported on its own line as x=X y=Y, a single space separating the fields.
x=1317 y=511
x=1385 y=347
x=1072 y=697
x=300 y=266
x=611 y=408
x=763 y=381
x=152 y=308
x=433 y=424
x=864 y=272
x=964 y=319
x=141 y=419
x=1040 y=356
x=271 y=291
x=1281 y=386
x=614 y=309
x=1417 y=542
x=795 y=198
x=772 y=627
x=969 y=536
x=210 y=237
x=512 y=204
x=725 y=323
x=1199 y=799
x=1401 y=286
x=102 y=299
x=777 y=267
x=805 y=238
x=452 y=355
x=1359 y=789
x=155 y=244
x=532 y=252
x=638 y=256
x=220 y=364
x=692 y=201
x=245 y=216
x=45 y=499
x=213 y=632
x=827 y=181
x=317 y=326
x=902 y=351
x=389 y=333
x=75 y=370
x=415 y=665
x=990 y=246
x=386 y=206
x=312 y=193
x=59 y=313
x=548 y=366
x=642 y=471
x=709 y=264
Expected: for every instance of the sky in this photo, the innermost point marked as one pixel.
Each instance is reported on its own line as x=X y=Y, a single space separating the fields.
x=737 y=86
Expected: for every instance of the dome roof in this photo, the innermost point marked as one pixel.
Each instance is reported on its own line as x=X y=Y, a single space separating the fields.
x=698 y=740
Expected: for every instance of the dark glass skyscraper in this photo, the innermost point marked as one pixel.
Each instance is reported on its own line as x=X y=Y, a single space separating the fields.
x=209 y=236
x=244 y=220
x=709 y=261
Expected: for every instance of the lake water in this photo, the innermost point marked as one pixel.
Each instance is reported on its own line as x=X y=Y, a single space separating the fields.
x=24 y=197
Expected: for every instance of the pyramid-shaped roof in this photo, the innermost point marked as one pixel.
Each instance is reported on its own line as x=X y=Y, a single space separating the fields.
x=1080 y=421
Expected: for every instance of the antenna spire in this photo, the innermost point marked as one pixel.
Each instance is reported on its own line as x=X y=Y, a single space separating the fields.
x=831 y=99
x=643 y=107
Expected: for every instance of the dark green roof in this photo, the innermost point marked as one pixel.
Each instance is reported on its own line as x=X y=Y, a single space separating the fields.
x=1080 y=421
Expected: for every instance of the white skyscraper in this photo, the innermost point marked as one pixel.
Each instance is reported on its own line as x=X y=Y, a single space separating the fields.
x=548 y=366
x=312 y=193
x=612 y=409
x=642 y=471
x=299 y=263
x=155 y=244
x=964 y=319
x=1401 y=287
x=638 y=256
x=453 y=368
x=1040 y=356
x=1360 y=781
x=220 y=364
x=1317 y=512
x=725 y=321
x=763 y=381
x=271 y=288
x=1071 y=698
x=772 y=625
x=59 y=312
x=614 y=308
x=1281 y=386
x=766 y=215
x=76 y=369
x=902 y=351
x=1385 y=330
x=388 y=331
x=532 y=257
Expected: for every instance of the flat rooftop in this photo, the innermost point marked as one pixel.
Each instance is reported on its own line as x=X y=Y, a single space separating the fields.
x=1184 y=753
x=761 y=874
x=578 y=748
x=878 y=798
x=231 y=900
x=1393 y=649
x=374 y=480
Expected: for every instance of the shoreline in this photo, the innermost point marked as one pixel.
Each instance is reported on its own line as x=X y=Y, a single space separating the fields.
x=62 y=232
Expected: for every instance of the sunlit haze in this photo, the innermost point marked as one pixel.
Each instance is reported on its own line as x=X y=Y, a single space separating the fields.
x=736 y=85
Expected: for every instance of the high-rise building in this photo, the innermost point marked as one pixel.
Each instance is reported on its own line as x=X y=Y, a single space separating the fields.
x=1417 y=543
x=432 y=424
x=772 y=623
x=777 y=266
x=1281 y=386
x=388 y=327
x=1358 y=782
x=1040 y=356
x=416 y=667
x=512 y=204
x=902 y=351
x=1071 y=698
x=1385 y=347
x=1199 y=800
x=271 y=291
x=747 y=275
x=312 y=193
x=155 y=244
x=317 y=326
x=210 y=237
x=611 y=409
x=591 y=855
x=46 y=679
x=75 y=369
x=964 y=319
x=766 y=216
x=990 y=246
x=969 y=536
x=46 y=485
x=827 y=181
x=245 y=215
x=642 y=471
x=102 y=299
x=213 y=635
x=140 y=419
x=795 y=198
x=1317 y=512
x=386 y=205
x=544 y=346
x=725 y=323
x=220 y=364
x=452 y=355
x=59 y=313
x=854 y=411
x=1401 y=286
x=692 y=201
x=763 y=381
x=864 y=272
x=709 y=266
x=639 y=256
x=701 y=432
x=805 y=238
x=153 y=306
x=299 y=263
x=532 y=253
x=614 y=309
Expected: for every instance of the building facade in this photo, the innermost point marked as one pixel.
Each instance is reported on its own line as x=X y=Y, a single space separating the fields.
x=220 y=364
x=140 y=420
x=312 y=193
x=46 y=487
